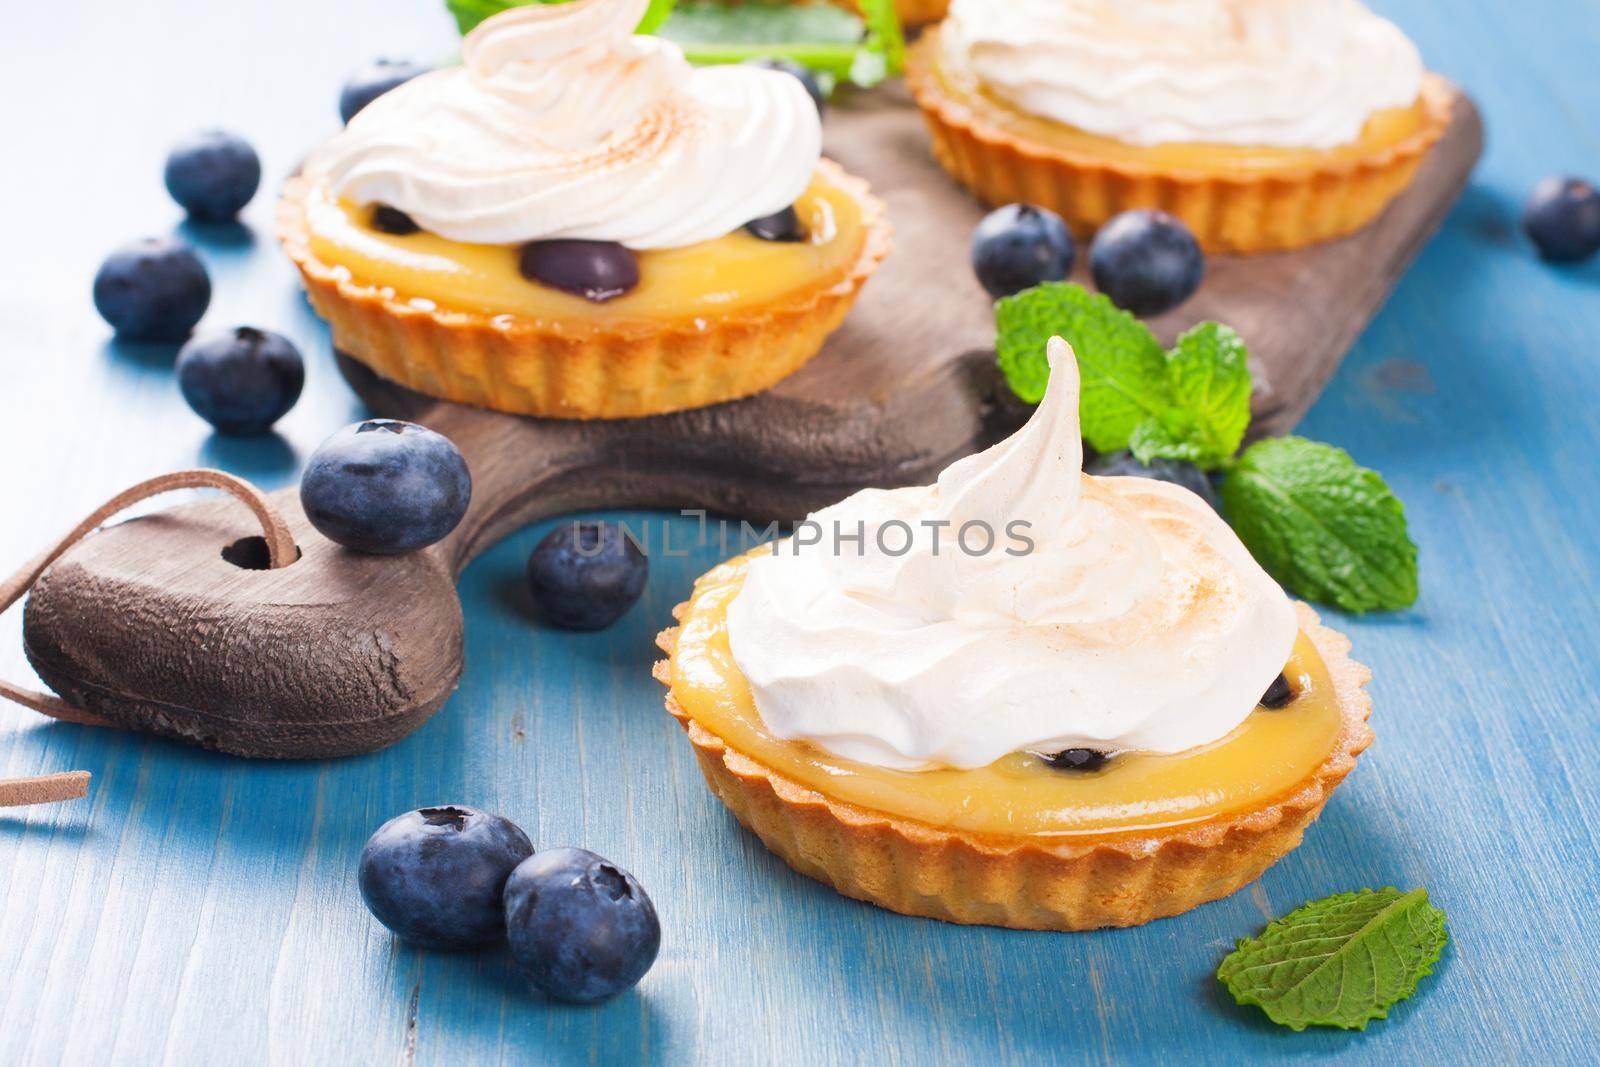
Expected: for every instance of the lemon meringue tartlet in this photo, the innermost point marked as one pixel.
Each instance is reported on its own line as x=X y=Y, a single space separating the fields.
x=575 y=223
x=1022 y=696
x=1263 y=124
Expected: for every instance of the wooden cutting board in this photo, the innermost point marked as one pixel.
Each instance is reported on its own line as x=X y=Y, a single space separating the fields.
x=148 y=624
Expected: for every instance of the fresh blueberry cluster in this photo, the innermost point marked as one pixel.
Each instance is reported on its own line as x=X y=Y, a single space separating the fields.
x=580 y=928
x=242 y=380
x=156 y=290
x=1146 y=262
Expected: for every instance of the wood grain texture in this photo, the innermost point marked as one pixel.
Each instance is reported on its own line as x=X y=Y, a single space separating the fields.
x=202 y=909
x=342 y=654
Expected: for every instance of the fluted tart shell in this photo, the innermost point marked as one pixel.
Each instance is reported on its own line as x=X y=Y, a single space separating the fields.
x=1029 y=882
x=581 y=370
x=1229 y=211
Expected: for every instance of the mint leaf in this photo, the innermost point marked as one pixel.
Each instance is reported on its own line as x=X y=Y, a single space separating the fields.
x=833 y=43
x=1123 y=368
x=1209 y=381
x=1329 y=530
x=884 y=35
x=1190 y=404
x=469 y=13
x=655 y=16
x=1340 y=961
x=1172 y=435
x=828 y=40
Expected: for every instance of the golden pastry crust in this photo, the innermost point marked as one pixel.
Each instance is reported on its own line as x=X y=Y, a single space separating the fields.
x=581 y=370
x=1269 y=211
x=1028 y=882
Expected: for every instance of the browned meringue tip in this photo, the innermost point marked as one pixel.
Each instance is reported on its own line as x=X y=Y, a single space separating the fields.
x=1239 y=213
x=583 y=371
x=1027 y=882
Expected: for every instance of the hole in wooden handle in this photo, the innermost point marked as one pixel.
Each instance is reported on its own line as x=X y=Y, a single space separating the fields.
x=277 y=549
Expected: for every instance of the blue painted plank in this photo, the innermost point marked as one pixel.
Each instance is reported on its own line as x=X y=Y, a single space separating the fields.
x=203 y=909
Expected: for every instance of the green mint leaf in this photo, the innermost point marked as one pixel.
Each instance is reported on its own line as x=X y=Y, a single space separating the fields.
x=1340 y=961
x=1123 y=368
x=1190 y=404
x=1329 y=530
x=884 y=36
x=828 y=40
x=834 y=44
x=1172 y=435
x=469 y=13
x=655 y=16
x=1209 y=376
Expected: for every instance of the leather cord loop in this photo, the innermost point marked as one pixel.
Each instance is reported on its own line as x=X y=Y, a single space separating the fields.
x=280 y=553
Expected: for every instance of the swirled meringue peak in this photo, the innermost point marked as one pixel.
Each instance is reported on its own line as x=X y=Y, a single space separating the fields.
x=563 y=123
x=1119 y=614
x=1278 y=73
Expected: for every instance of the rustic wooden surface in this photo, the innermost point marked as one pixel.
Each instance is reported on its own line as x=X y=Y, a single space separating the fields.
x=198 y=908
x=341 y=654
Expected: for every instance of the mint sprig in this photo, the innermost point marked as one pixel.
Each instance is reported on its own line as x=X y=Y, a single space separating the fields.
x=1340 y=961
x=468 y=13
x=1326 y=528
x=831 y=42
x=1122 y=366
x=1208 y=381
x=1329 y=530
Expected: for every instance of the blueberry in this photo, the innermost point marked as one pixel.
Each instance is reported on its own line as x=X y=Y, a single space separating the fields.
x=152 y=290
x=1019 y=246
x=1178 y=472
x=781 y=226
x=808 y=79
x=436 y=876
x=212 y=175
x=241 y=381
x=586 y=575
x=373 y=80
x=580 y=928
x=385 y=486
x=1077 y=759
x=1147 y=262
x=1562 y=218
x=1278 y=694
x=390 y=220
x=595 y=270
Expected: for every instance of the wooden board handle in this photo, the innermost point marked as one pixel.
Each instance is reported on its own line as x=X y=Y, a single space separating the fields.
x=280 y=552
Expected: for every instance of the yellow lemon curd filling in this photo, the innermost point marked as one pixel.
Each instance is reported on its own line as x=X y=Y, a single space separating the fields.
x=704 y=280
x=959 y=83
x=1265 y=757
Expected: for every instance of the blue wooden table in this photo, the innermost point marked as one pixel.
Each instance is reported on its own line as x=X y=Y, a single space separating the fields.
x=203 y=909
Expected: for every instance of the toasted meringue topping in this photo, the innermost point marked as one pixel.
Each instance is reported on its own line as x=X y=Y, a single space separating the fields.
x=562 y=123
x=1278 y=73
x=1122 y=614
